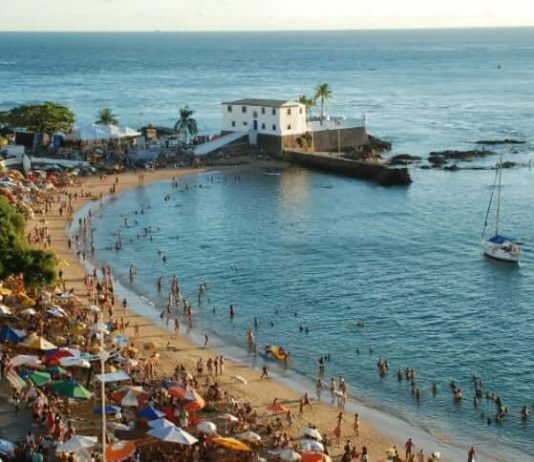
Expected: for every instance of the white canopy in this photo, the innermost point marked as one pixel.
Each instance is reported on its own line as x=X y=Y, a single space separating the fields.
x=113 y=376
x=77 y=443
x=173 y=435
x=95 y=132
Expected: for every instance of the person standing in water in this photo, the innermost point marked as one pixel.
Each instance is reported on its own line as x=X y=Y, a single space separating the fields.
x=472 y=455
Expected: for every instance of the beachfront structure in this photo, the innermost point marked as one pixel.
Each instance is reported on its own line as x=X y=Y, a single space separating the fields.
x=264 y=116
x=279 y=125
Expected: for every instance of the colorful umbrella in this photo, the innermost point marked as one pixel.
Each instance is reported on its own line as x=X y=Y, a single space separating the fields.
x=150 y=413
x=71 y=389
x=231 y=443
x=160 y=423
x=40 y=378
x=277 y=407
x=54 y=356
x=194 y=406
x=56 y=370
x=8 y=334
x=173 y=434
x=120 y=451
x=35 y=342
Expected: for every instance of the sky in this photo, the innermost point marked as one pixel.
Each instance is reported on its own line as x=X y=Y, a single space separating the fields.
x=221 y=15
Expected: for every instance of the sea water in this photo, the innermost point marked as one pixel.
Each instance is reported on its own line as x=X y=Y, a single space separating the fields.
x=319 y=251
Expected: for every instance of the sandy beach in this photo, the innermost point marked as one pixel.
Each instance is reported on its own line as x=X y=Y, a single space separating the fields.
x=175 y=349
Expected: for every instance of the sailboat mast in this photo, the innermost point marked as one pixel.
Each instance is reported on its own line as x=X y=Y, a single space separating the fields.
x=499 y=186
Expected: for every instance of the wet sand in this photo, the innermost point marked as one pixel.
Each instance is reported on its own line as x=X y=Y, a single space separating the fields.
x=260 y=392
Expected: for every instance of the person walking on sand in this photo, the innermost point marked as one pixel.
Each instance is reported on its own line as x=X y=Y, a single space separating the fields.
x=177 y=326
x=356 y=425
x=365 y=455
x=333 y=389
x=206 y=341
x=319 y=388
x=408 y=446
x=264 y=372
x=472 y=455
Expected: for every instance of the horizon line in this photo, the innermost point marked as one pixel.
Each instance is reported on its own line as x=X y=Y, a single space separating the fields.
x=200 y=31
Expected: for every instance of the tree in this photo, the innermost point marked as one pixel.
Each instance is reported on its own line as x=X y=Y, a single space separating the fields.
x=186 y=125
x=106 y=117
x=323 y=92
x=308 y=102
x=47 y=117
x=16 y=256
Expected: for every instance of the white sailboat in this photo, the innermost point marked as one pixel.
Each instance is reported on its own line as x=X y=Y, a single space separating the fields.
x=499 y=246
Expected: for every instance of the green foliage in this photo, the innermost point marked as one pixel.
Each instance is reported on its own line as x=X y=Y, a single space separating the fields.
x=186 y=124
x=323 y=92
x=16 y=256
x=106 y=117
x=47 y=117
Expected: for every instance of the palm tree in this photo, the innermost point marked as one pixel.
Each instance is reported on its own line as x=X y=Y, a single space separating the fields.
x=323 y=92
x=106 y=117
x=308 y=103
x=186 y=124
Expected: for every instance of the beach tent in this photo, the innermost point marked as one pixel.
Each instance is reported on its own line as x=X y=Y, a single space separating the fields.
x=173 y=434
x=8 y=334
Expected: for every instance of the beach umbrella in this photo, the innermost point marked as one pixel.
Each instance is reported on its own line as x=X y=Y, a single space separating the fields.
x=311 y=446
x=36 y=342
x=5 y=291
x=77 y=443
x=56 y=370
x=53 y=356
x=130 y=399
x=108 y=409
x=249 y=436
x=28 y=313
x=169 y=384
x=130 y=393
x=150 y=413
x=177 y=391
x=197 y=405
x=25 y=360
x=312 y=433
x=120 y=451
x=5 y=310
x=289 y=455
x=94 y=309
x=40 y=378
x=207 y=427
x=74 y=362
x=313 y=457
x=71 y=389
x=229 y=418
x=7 y=448
x=8 y=334
x=160 y=423
x=231 y=443
x=173 y=434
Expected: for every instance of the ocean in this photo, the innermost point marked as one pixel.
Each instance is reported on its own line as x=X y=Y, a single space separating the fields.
x=325 y=252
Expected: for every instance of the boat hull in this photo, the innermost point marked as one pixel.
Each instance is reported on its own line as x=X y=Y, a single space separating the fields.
x=501 y=252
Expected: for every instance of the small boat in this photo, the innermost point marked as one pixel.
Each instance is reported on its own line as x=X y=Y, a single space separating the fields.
x=498 y=246
x=277 y=352
x=271 y=172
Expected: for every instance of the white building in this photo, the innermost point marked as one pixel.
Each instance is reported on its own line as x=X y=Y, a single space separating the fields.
x=265 y=117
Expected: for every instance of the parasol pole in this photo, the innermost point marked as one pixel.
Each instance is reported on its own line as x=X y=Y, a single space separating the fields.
x=103 y=357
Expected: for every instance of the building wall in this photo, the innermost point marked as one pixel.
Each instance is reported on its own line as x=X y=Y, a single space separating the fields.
x=271 y=120
x=346 y=138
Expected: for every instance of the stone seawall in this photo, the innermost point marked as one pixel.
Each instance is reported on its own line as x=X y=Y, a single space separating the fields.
x=381 y=174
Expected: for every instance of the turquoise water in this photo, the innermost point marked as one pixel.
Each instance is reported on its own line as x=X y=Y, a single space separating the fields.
x=332 y=250
x=326 y=252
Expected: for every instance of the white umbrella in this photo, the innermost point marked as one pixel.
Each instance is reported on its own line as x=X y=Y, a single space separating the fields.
x=173 y=434
x=160 y=423
x=289 y=455
x=312 y=433
x=25 y=360
x=5 y=310
x=130 y=399
x=74 y=362
x=208 y=428
x=251 y=437
x=311 y=446
x=228 y=418
x=77 y=443
x=28 y=312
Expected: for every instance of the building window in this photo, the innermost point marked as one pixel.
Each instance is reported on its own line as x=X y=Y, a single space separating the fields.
x=229 y=108
x=288 y=111
x=263 y=126
x=243 y=109
x=255 y=114
x=245 y=123
x=233 y=123
x=263 y=110
x=274 y=111
x=300 y=110
x=274 y=127
x=289 y=127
